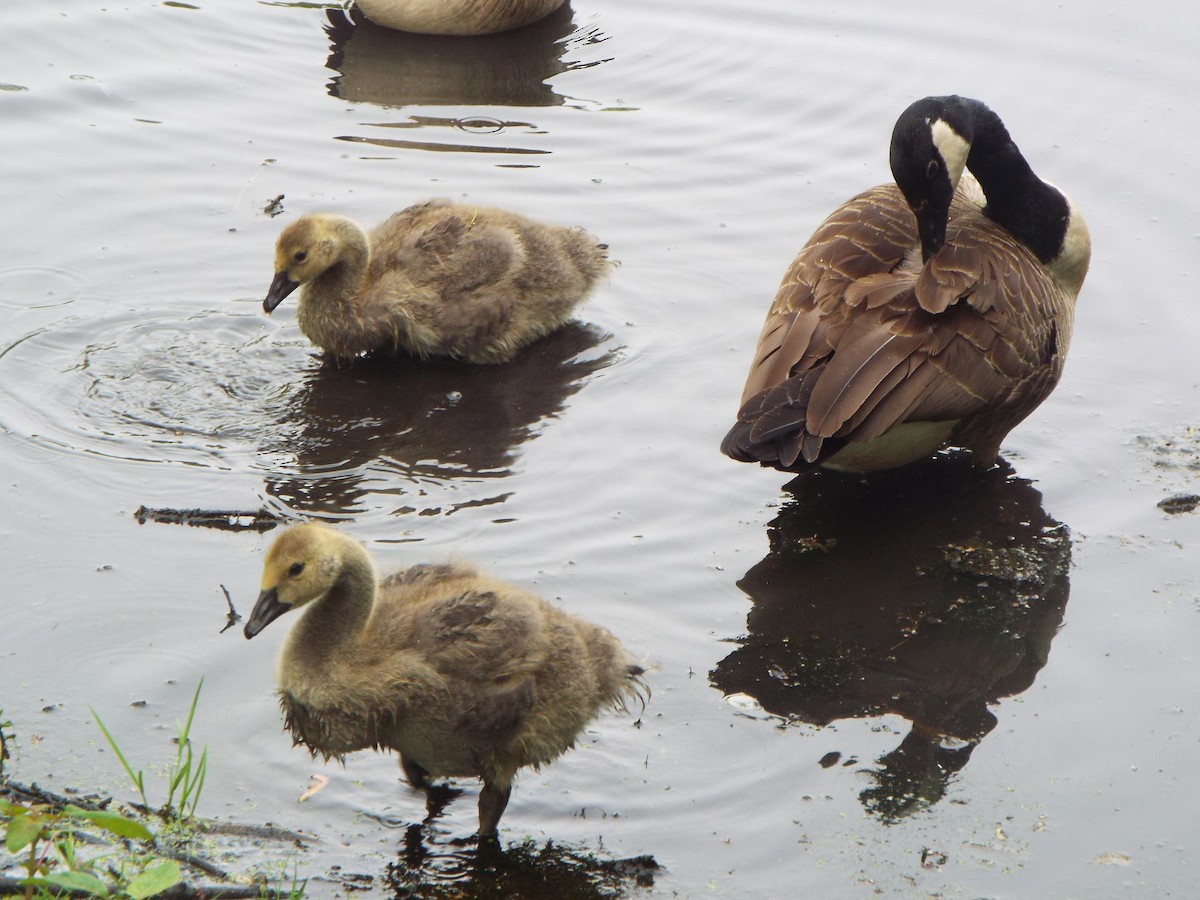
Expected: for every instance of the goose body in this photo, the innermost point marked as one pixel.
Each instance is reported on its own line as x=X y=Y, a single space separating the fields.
x=932 y=312
x=462 y=17
x=460 y=674
x=437 y=279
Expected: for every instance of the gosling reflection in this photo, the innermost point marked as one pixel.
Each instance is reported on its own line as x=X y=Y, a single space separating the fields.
x=395 y=68
x=928 y=592
x=436 y=434
x=434 y=865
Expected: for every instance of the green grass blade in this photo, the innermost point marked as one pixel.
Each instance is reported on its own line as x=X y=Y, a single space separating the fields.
x=137 y=779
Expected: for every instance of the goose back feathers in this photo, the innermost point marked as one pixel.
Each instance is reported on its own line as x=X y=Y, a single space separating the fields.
x=920 y=314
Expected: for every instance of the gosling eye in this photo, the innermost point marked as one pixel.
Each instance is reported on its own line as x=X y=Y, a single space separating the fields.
x=300 y=256
x=295 y=569
x=930 y=170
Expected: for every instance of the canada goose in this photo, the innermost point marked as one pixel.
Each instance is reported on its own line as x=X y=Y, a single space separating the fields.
x=916 y=316
x=437 y=279
x=458 y=673
x=456 y=16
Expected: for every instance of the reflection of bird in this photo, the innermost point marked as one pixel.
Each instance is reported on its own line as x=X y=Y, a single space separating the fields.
x=437 y=433
x=460 y=674
x=892 y=336
x=437 y=279
x=456 y=16
x=880 y=596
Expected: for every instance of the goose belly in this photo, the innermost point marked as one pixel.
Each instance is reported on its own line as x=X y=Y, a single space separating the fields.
x=901 y=445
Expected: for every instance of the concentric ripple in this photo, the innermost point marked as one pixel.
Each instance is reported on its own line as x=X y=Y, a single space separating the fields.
x=232 y=391
x=150 y=386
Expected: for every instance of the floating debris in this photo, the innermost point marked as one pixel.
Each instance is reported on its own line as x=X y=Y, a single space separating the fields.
x=224 y=519
x=316 y=783
x=231 y=617
x=1179 y=503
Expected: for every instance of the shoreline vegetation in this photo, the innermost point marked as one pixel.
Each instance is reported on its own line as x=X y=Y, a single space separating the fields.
x=88 y=845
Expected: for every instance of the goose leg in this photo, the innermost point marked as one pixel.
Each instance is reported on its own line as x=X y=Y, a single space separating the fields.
x=492 y=801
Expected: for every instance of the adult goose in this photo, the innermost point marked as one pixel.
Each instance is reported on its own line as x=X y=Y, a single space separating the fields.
x=437 y=279
x=461 y=17
x=932 y=312
x=460 y=674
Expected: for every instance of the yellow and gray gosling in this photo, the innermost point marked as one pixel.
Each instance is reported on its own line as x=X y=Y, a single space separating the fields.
x=437 y=279
x=460 y=674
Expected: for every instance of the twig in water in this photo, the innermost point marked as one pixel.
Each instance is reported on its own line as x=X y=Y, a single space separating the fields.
x=232 y=617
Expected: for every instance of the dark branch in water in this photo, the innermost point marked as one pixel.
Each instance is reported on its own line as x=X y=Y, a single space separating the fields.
x=31 y=793
x=224 y=519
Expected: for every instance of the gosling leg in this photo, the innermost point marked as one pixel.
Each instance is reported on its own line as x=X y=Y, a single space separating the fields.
x=414 y=773
x=492 y=801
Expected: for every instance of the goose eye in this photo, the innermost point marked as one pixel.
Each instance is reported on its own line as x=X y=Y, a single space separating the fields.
x=295 y=569
x=931 y=169
x=300 y=256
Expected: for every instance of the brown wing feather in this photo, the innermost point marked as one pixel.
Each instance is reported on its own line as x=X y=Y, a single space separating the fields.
x=862 y=337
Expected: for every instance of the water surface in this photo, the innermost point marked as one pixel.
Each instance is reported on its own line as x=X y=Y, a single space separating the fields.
x=847 y=701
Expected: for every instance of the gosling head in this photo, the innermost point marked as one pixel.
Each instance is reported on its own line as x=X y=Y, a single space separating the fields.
x=930 y=145
x=301 y=566
x=306 y=248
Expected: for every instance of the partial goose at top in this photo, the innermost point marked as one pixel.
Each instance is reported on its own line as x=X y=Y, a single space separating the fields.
x=456 y=16
x=932 y=312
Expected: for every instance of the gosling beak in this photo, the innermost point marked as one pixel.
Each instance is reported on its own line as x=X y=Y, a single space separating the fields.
x=266 y=610
x=280 y=288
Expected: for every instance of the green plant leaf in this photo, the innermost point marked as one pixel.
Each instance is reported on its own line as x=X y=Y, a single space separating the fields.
x=22 y=831
x=156 y=879
x=136 y=779
x=120 y=825
x=73 y=881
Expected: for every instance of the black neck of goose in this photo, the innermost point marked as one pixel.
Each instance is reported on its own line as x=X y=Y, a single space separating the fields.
x=1035 y=213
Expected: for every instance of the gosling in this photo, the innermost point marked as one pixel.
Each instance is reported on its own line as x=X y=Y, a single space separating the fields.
x=436 y=279
x=460 y=674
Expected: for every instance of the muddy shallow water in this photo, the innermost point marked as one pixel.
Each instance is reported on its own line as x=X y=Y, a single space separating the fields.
x=935 y=683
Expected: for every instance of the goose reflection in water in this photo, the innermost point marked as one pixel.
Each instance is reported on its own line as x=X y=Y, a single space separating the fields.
x=432 y=431
x=396 y=69
x=928 y=592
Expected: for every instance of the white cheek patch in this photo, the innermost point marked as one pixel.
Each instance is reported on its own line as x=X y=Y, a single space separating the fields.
x=953 y=147
x=1070 y=267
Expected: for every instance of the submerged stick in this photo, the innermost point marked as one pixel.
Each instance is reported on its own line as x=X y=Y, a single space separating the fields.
x=224 y=519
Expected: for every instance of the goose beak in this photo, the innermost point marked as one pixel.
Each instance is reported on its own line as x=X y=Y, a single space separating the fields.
x=280 y=288
x=266 y=610
x=931 y=225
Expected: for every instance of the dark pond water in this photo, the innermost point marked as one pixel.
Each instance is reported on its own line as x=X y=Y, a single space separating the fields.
x=935 y=684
